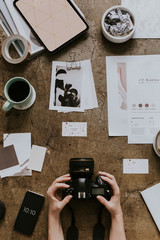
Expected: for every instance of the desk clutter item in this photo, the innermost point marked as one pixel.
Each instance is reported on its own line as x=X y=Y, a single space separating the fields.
x=26 y=51
x=151 y=197
x=133 y=86
x=55 y=23
x=118 y=24
x=20 y=94
x=73 y=89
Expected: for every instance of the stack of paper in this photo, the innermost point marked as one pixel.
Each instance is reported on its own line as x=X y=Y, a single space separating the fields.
x=133 y=87
x=72 y=89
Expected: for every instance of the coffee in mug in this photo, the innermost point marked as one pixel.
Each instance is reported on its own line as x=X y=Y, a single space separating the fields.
x=18 y=91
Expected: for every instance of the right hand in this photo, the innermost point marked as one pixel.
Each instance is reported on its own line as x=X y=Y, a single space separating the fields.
x=113 y=205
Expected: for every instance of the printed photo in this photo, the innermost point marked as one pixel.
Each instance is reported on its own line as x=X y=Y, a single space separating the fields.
x=66 y=88
x=122 y=85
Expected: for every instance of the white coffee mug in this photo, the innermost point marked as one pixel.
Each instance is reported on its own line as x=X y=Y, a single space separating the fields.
x=20 y=94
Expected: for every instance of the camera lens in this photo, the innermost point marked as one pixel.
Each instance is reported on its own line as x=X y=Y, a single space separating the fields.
x=2 y=210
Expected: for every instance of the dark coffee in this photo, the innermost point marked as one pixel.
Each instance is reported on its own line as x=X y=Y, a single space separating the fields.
x=18 y=91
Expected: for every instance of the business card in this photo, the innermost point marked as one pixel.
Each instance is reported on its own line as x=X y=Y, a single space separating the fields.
x=74 y=129
x=135 y=166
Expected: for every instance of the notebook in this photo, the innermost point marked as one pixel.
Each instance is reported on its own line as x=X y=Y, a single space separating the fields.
x=151 y=197
x=54 y=22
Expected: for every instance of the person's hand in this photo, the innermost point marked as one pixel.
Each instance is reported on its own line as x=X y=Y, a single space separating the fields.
x=113 y=205
x=56 y=203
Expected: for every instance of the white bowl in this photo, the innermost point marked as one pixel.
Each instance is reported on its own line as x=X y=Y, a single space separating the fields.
x=119 y=39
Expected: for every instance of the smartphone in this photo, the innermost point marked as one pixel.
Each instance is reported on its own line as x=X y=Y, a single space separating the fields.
x=29 y=212
x=55 y=23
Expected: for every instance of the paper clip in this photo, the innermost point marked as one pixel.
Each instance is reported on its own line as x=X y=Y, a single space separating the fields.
x=72 y=63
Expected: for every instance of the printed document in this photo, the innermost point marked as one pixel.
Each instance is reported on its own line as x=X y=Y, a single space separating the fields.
x=143 y=95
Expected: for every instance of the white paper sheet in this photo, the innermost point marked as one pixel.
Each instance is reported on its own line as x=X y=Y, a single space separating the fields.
x=22 y=144
x=147 y=17
x=116 y=91
x=74 y=129
x=10 y=171
x=89 y=86
x=151 y=197
x=143 y=101
x=135 y=166
x=37 y=158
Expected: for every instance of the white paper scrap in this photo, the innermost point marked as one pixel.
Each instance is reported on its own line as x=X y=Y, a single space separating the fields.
x=135 y=166
x=37 y=158
x=74 y=129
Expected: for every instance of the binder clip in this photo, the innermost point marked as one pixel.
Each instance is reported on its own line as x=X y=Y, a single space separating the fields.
x=72 y=63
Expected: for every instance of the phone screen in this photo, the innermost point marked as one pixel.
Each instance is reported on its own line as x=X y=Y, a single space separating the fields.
x=29 y=212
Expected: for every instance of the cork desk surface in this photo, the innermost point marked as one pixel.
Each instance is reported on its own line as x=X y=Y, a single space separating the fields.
x=46 y=129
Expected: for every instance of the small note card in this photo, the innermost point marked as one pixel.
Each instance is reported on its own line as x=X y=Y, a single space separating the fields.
x=37 y=158
x=135 y=166
x=74 y=129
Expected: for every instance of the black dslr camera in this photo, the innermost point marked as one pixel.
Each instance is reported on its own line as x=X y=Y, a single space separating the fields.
x=81 y=185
